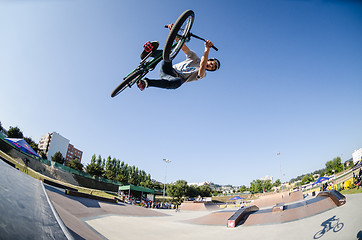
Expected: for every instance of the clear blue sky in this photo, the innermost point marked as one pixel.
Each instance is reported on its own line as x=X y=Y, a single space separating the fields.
x=290 y=82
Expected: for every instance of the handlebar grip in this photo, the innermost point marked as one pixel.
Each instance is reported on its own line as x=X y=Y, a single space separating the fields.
x=215 y=48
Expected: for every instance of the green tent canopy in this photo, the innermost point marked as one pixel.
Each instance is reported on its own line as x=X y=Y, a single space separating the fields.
x=136 y=188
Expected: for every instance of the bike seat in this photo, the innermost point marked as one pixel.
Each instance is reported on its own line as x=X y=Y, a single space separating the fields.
x=149 y=48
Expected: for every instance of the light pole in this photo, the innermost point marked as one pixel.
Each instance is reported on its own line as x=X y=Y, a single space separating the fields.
x=281 y=174
x=164 y=184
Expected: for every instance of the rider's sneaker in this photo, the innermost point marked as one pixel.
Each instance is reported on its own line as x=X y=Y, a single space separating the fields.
x=142 y=84
x=148 y=47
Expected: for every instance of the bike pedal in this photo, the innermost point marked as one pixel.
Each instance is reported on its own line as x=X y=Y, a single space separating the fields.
x=148 y=49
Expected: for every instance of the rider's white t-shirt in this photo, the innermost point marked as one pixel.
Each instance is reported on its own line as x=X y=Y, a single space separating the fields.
x=189 y=69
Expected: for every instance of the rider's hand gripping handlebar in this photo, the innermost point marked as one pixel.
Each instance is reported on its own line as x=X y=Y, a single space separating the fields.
x=195 y=36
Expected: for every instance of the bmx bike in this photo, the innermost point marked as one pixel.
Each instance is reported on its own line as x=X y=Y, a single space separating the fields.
x=178 y=35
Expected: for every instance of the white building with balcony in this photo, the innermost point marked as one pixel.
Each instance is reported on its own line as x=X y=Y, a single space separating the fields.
x=52 y=143
x=357 y=155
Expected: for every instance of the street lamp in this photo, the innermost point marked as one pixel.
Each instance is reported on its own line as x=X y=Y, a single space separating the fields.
x=281 y=174
x=164 y=184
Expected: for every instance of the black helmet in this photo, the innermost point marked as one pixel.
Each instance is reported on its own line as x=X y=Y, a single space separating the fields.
x=217 y=63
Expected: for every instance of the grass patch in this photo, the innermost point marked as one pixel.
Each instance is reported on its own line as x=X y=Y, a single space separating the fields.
x=352 y=191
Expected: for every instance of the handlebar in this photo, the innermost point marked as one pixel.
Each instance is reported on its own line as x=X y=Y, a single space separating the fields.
x=195 y=36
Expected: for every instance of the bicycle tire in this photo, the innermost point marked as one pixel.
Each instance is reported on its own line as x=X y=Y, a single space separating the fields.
x=126 y=82
x=338 y=227
x=319 y=234
x=187 y=18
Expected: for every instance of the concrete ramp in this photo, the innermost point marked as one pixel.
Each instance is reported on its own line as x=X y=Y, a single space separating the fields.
x=25 y=210
x=274 y=199
x=279 y=213
x=239 y=215
x=198 y=206
x=294 y=211
x=338 y=198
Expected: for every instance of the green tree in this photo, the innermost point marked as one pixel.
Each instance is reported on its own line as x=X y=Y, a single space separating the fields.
x=243 y=188
x=277 y=183
x=58 y=157
x=177 y=190
x=75 y=164
x=121 y=178
x=267 y=185
x=307 y=179
x=192 y=191
x=334 y=166
x=43 y=155
x=132 y=176
x=204 y=191
x=110 y=169
x=257 y=186
x=150 y=184
x=95 y=167
x=14 y=132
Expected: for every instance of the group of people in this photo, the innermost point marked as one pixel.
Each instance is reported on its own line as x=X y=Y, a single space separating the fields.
x=357 y=178
x=356 y=182
x=145 y=202
x=327 y=186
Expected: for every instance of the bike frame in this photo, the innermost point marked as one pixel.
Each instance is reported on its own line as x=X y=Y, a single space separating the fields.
x=146 y=66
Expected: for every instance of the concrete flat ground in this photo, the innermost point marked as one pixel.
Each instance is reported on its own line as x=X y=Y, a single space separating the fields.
x=177 y=226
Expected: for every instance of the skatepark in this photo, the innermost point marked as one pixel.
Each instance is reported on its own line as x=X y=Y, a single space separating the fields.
x=43 y=211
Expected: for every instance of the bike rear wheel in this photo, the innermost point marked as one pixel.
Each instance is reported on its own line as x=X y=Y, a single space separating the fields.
x=127 y=82
x=181 y=30
x=319 y=234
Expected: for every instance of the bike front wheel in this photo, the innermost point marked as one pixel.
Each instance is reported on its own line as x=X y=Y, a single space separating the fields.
x=127 y=82
x=181 y=32
x=338 y=227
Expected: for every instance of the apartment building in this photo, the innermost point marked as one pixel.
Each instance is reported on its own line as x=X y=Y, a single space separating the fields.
x=73 y=153
x=53 y=142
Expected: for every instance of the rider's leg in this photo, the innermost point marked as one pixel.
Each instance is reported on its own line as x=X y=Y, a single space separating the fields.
x=163 y=83
x=168 y=78
x=167 y=70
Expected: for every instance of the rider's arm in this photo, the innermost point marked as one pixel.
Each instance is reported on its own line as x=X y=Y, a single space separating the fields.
x=184 y=48
x=204 y=58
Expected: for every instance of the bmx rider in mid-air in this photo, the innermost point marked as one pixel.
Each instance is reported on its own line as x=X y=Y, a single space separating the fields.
x=192 y=69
